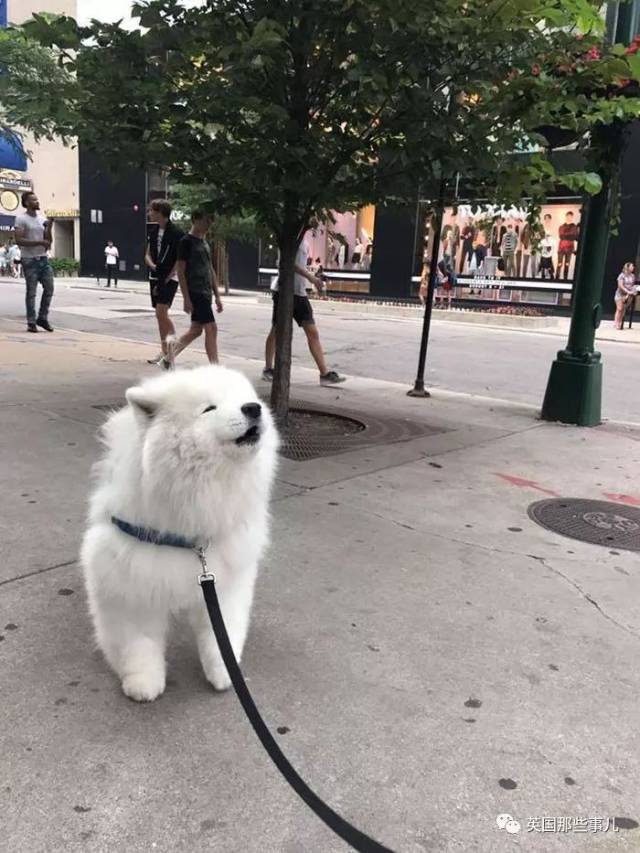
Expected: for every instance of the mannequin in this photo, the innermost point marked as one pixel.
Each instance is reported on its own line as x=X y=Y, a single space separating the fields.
x=568 y=236
x=524 y=251
x=520 y=225
x=547 y=247
x=508 y=248
x=468 y=235
x=358 y=253
x=497 y=233
x=342 y=254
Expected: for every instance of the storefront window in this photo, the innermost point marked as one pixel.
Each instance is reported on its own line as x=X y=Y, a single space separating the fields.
x=500 y=253
x=339 y=250
x=343 y=243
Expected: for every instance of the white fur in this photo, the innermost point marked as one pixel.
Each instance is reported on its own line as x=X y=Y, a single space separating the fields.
x=170 y=467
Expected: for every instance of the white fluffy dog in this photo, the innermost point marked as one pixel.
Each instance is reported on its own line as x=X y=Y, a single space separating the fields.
x=193 y=456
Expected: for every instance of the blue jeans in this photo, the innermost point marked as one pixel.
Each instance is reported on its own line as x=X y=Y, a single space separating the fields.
x=38 y=270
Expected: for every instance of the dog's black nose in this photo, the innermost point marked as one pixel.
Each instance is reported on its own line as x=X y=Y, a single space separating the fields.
x=252 y=410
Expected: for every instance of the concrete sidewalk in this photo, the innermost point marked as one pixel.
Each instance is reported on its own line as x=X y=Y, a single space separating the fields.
x=430 y=656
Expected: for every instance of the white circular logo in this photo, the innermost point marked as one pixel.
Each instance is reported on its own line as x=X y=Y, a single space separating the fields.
x=508 y=823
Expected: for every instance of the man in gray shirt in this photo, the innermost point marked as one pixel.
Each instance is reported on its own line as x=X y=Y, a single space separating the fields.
x=33 y=235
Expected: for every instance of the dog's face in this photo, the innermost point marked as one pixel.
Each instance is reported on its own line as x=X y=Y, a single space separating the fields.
x=202 y=420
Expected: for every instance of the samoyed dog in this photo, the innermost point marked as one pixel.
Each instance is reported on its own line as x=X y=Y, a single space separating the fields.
x=190 y=461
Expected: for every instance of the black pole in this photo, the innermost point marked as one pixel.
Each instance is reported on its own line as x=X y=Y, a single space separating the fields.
x=418 y=389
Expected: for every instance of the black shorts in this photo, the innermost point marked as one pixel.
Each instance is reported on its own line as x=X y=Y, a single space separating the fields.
x=202 y=309
x=162 y=292
x=302 y=310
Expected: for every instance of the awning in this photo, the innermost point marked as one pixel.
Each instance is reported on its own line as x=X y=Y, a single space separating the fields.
x=12 y=154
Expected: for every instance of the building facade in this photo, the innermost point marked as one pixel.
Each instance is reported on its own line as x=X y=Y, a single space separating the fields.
x=52 y=169
x=381 y=253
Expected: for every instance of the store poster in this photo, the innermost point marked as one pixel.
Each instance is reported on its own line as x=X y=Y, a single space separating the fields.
x=491 y=246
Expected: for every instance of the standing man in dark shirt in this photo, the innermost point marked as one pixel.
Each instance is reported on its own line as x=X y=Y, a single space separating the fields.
x=568 y=234
x=199 y=284
x=161 y=257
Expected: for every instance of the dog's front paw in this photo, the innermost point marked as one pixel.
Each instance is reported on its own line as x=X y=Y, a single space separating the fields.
x=143 y=686
x=218 y=677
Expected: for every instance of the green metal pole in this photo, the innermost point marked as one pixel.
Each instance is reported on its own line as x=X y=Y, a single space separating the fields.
x=574 y=389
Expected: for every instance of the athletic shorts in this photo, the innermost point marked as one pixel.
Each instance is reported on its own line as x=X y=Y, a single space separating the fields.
x=302 y=310
x=202 y=309
x=162 y=292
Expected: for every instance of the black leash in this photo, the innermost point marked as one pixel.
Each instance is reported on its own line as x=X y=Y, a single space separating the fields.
x=358 y=840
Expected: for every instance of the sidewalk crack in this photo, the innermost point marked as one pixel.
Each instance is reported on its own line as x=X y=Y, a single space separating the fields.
x=543 y=561
x=37 y=572
x=494 y=550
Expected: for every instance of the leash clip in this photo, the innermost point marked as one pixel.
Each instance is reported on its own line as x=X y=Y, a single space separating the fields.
x=205 y=575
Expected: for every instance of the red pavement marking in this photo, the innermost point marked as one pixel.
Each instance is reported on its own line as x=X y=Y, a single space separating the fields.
x=525 y=484
x=622 y=499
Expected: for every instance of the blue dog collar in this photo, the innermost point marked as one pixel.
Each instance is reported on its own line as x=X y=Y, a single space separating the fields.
x=154 y=537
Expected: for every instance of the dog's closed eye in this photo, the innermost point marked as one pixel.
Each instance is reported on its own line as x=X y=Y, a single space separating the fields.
x=209 y=409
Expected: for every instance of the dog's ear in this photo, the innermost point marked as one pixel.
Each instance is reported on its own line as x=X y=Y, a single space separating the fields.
x=142 y=401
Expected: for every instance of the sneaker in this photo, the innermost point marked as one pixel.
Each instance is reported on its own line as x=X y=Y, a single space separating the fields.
x=46 y=325
x=170 y=344
x=156 y=359
x=31 y=327
x=165 y=364
x=267 y=374
x=332 y=378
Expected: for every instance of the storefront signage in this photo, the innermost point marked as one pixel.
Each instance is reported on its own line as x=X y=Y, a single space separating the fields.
x=10 y=180
x=491 y=211
x=9 y=200
x=71 y=213
x=3 y=13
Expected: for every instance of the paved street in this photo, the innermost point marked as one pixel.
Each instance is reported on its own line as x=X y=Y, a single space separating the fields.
x=429 y=657
x=509 y=365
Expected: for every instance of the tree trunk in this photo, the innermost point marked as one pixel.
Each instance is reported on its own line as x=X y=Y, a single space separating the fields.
x=284 y=327
x=221 y=264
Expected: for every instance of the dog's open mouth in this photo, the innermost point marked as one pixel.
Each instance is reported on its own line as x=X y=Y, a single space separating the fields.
x=251 y=436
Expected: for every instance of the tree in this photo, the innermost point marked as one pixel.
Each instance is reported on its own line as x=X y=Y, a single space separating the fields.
x=289 y=110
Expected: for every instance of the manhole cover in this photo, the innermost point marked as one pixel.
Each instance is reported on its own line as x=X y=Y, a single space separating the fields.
x=598 y=522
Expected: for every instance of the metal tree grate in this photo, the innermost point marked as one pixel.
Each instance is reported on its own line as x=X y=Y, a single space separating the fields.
x=604 y=523
x=324 y=431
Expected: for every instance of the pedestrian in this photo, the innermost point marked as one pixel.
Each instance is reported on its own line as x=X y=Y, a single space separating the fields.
x=161 y=258
x=14 y=255
x=445 y=282
x=33 y=236
x=625 y=293
x=303 y=315
x=199 y=285
x=423 y=290
x=112 y=256
x=4 y=260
